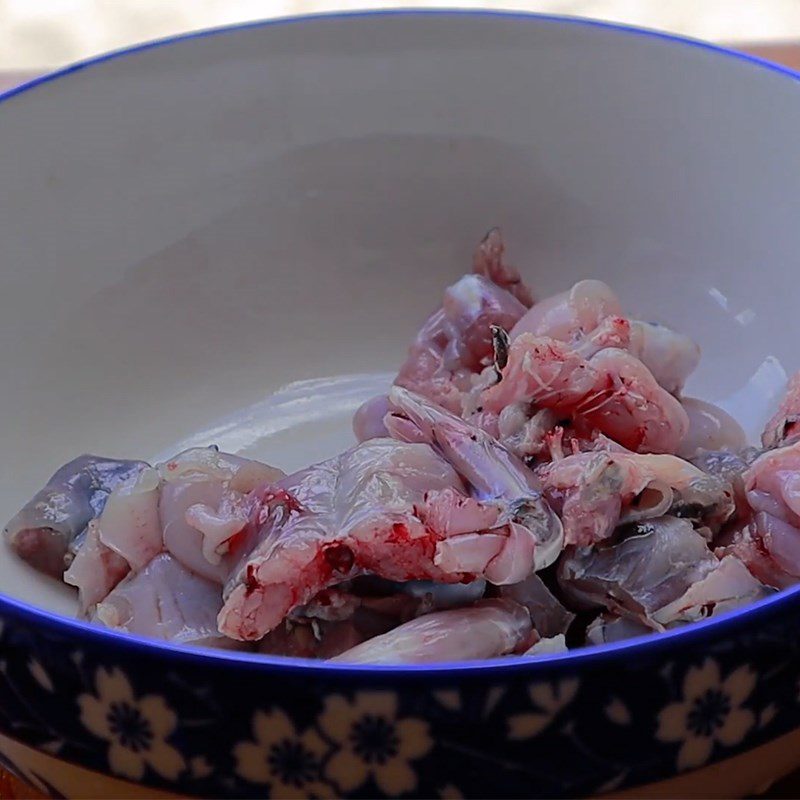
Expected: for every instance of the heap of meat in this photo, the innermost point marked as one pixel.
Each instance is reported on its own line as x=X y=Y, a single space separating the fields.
x=534 y=479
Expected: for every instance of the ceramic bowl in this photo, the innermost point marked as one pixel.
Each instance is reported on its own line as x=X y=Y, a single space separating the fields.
x=231 y=236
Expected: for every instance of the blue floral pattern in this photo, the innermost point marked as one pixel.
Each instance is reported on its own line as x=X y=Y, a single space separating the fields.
x=372 y=743
x=188 y=724
x=136 y=729
x=287 y=761
x=710 y=712
x=548 y=700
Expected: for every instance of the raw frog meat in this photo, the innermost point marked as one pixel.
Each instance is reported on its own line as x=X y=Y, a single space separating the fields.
x=46 y=527
x=195 y=507
x=535 y=480
x=440 y=506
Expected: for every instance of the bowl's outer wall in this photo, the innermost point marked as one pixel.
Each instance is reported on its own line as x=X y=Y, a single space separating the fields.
x=188 y=227
x=555 y=728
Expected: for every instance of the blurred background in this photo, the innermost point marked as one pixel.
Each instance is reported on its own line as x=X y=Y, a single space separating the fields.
x=37 y=34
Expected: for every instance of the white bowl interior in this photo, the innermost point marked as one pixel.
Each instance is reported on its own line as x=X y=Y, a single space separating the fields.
x=190 y=228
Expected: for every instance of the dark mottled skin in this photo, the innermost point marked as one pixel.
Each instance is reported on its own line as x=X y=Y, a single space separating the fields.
x=42 y=532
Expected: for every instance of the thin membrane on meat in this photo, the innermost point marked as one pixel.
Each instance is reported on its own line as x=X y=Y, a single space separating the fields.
x=548 y=614
x=358 y=512
x=640 y=575
x=166 y=601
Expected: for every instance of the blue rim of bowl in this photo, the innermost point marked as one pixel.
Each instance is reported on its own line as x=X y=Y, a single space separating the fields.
x=527 y=16
x=686 y=637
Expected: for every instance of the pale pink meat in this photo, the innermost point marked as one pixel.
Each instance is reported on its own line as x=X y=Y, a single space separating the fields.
x=770 y=547
x=395 y=509
x=125 y=537
x=193 y=506
x=569 y=316
x=770 y=543
x=129 y=524
x=221 y=526
x=534 y=475
x=595 y=491
x=588 y=491
x=772 y=483
x=493 y=473
x=360 y=511
x=670 y=356
x=587 y=309
x=488 y=261
x=630 y=407
x=710 y=429
x=479 y=458
x=204 y=506
x=368 y=419
x=784 y=427
x=181 y=538
x=522 y=430
x=488 y=629
x=456 y=341
x=727 y=587
x=95 y=570
x=589 y=369
x=166 y=601
x=611 y=392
